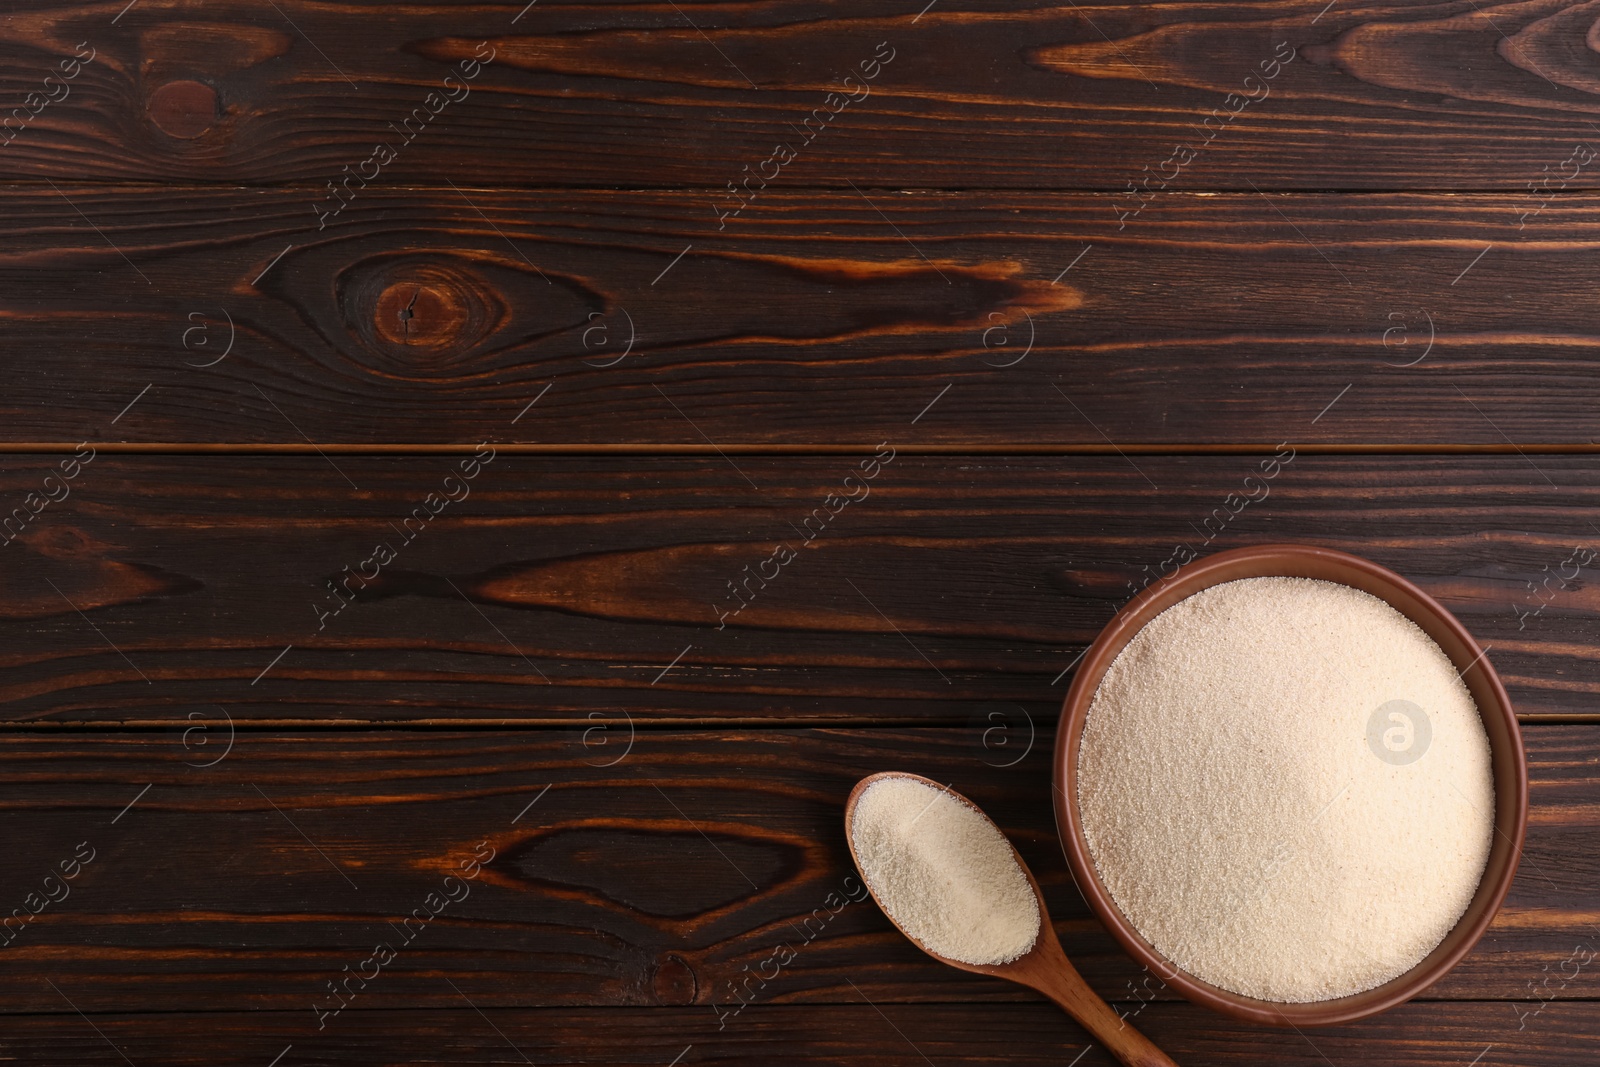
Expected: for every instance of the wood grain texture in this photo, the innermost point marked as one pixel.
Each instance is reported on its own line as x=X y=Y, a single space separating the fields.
x=1414 y=1035
x=562 y=587
x=1388 y=96
x=1034 y=319
x=659 y=225
x=676 y=876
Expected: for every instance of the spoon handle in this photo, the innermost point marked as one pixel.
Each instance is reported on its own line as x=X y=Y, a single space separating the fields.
x=1062 y=983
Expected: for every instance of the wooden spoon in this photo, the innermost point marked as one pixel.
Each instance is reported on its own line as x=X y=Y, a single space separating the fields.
x=1044 y=967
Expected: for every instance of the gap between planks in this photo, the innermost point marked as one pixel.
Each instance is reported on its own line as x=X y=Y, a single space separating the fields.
x=1003 y=448
x=683 y=1010
x=663 y=724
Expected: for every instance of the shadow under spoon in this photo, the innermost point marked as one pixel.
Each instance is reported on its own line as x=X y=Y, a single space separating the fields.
x=1044 y=967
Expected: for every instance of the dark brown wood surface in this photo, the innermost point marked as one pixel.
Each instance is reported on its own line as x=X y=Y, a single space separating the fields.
x=1388 y=95
x=1420 y=1034
x=565 y=587
x=1084 y=270
x=955 y=319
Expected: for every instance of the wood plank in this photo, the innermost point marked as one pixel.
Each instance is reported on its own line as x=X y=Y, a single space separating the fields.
x=1414 y=1035
x=993 y=318
x=1388 y=95
x=564 y=587
x=667 y=877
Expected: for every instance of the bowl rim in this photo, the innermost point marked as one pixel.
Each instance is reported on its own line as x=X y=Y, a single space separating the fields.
x=1509 y=762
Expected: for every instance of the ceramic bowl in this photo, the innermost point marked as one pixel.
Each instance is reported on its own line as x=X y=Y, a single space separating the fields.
x=1505 y=741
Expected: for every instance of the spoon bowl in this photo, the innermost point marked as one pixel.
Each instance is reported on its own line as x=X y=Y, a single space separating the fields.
x=1044 y=967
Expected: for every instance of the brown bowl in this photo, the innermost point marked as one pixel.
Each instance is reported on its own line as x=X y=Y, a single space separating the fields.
x=1505 y=742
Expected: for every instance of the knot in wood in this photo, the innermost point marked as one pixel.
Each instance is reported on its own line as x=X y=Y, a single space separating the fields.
x=183 y=109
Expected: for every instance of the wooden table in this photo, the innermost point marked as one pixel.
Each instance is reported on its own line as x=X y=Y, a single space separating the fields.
x=481 y=482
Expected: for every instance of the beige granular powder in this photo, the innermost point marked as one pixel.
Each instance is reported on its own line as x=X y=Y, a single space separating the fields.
x=943 y=872
x=1254 y=800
